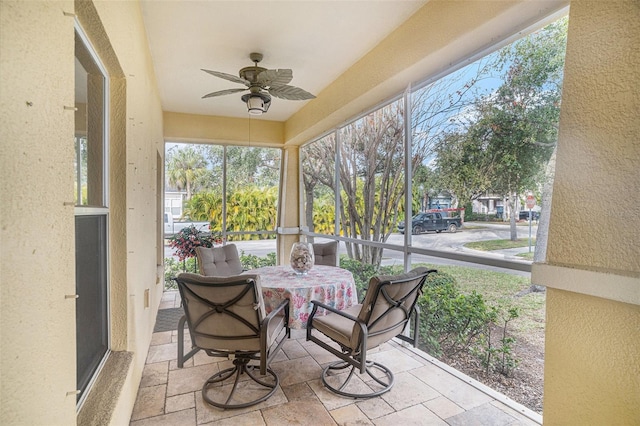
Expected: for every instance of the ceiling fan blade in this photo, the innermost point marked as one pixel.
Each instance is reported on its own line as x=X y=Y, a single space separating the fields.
x=223 y=92
x=227 y=77
x=275 y=77
x=291 y=93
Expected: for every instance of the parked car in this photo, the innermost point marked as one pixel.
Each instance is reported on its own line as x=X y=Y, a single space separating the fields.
x=425 y=222
x=524 y=215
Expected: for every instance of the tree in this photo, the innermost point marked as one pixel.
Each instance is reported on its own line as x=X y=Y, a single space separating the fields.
x=372 y=162
x=318 y=171
x=462 y=166
x=185 y=169
x=371 y=171
x=521 y=119
x=504 y=142
x=249 y=166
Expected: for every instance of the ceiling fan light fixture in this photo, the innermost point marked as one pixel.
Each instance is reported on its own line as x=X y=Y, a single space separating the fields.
x=257 y=103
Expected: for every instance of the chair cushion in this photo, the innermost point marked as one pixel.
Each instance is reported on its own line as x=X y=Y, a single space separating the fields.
x=219 y=261
x=326 y=253
x=337 y=327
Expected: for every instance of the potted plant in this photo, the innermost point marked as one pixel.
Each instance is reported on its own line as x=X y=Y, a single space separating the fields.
x=189 y=238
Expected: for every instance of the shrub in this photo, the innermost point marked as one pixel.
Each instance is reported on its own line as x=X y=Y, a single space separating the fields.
x=498 y=357
x=361 y=273
x=450 y=321
x=251 y=261
x=173 y=267
x=189 y=238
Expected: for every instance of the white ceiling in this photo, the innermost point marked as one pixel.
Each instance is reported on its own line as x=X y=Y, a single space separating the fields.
x=317 y=39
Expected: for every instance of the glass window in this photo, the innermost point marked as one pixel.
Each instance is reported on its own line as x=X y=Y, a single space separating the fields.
x=252 y=188
x=91 y=231
x=233 y=190
x=89 y=129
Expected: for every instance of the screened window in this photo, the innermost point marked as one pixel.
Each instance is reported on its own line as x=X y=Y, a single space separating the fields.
x=231 y=190
x=479 y=139
x=319 y=184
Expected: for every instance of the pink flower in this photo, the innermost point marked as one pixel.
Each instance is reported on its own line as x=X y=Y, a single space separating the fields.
x=298 y=301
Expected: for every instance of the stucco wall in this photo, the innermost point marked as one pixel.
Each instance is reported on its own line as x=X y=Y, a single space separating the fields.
x=592 y=367
x=37 y=257
x=179 y=127
x=37 y=266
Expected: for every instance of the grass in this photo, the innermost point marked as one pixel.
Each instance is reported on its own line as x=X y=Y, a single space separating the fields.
x=500 y=244
x=526 y=256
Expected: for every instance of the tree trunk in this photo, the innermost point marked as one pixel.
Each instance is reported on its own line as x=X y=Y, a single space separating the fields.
x=309 y=210
x=512 y=216
x=542 y=235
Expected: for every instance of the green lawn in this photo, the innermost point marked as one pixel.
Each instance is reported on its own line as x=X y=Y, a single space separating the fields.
x=500 y=244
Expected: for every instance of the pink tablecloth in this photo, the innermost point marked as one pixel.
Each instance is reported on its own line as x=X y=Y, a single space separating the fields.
x=330 y=285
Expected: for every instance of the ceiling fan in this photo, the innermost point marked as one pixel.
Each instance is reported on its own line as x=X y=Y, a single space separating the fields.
x=259 y=80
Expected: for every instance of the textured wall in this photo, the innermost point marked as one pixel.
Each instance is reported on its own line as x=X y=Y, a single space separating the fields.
x=241 y=131
x=592 y=367
x=37 y=266
x=596 y=211
x=592 y=372
x=136 y=142
x=37 y=257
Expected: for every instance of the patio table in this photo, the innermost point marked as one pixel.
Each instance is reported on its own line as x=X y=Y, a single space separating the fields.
x=327 y=284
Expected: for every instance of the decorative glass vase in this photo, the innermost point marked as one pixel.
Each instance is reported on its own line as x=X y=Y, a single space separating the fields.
x=302 y=258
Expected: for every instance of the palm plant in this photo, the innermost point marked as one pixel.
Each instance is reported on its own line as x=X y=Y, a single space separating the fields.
x=185 y=169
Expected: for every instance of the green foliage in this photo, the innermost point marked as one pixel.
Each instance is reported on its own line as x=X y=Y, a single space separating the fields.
x=173 y=267
x=324 y=213
x=508 y=136
x=498 y=358
x=248 y=209
x=362 y=273
x=251 y=261
x=451 y=321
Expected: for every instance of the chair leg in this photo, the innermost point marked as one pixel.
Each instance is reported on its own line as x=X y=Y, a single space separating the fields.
x=181 y=356
x=214 y=386
x=381 y=383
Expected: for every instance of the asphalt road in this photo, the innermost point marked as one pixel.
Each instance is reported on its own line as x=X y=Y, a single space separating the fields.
x=436 y=241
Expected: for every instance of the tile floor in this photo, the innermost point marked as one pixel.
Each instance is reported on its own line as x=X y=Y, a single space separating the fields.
x=426 y=392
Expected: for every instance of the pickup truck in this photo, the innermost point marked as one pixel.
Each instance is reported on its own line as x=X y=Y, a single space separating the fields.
x=424 y=222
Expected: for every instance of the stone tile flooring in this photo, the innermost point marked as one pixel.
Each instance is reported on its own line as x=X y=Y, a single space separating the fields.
x=426 y=392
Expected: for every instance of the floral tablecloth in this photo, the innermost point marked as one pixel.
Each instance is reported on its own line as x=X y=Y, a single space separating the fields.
x=327 y=284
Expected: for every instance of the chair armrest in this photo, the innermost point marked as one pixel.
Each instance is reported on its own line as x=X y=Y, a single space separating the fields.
x=281 y=306
x=265 y=353
x=330 y=309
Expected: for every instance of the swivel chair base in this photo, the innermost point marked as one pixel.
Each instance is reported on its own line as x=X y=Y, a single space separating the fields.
x=214 y=384
x=384 y=381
